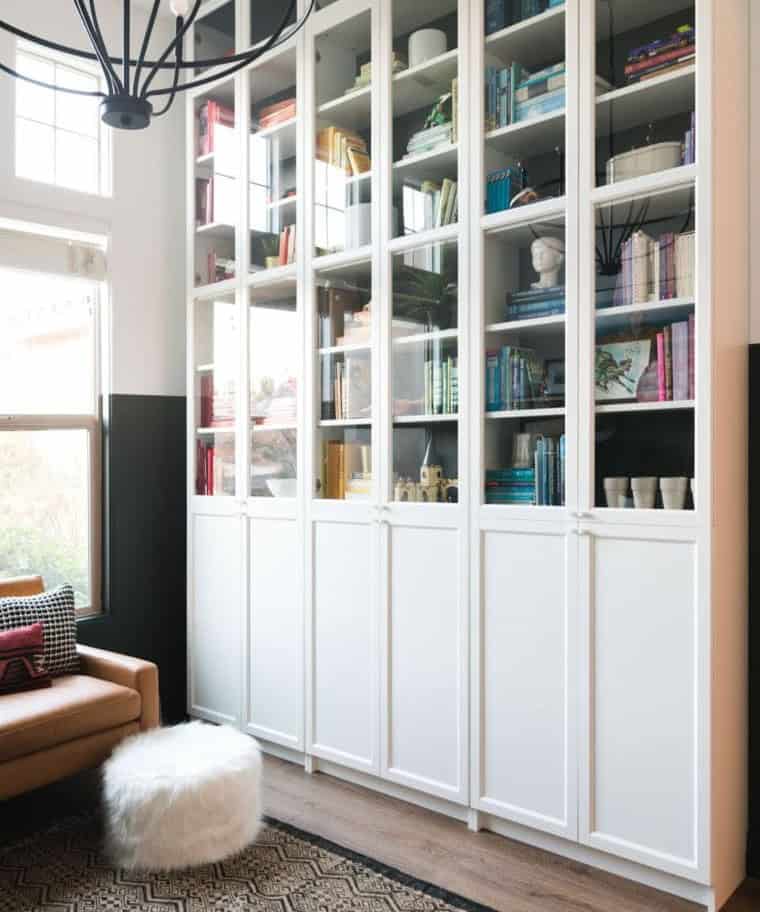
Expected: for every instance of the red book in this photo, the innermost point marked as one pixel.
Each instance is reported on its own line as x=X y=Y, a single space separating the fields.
x=650 y=62
x=210 y=471
x=661 y=391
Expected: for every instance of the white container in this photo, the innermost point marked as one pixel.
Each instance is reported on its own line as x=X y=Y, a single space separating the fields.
x=359 y=225
x=616 y=491
x=673 y=492
x=644 y=492
x=646 y=160
x=426 y=44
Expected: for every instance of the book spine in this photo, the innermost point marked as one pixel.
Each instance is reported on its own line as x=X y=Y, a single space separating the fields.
x=661 y=391
x=680 y=332
x=691 y=356
x=667 y=333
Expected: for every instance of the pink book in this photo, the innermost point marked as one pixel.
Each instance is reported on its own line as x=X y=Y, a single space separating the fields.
x=692 y=375
x=661 y=390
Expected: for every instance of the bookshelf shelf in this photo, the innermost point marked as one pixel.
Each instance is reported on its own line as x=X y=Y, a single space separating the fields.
x=345 y=349
x=352 y=179
x=207 y=431
x=421 y=338
x=654 y=99
x=649 y=311
x=275 y=426
x=282 y=136
x=433 y=165
x=329 y=262
x=344 y=422
x=526 y=413
x=539 y=325
x=542 y=35
x=351 y=110
x=680 y=179
x=277 y=275
x=425 y=419
x=287 y=202
x=524 y=218
x=420 y=86
x=540 y=134
x=633 y=407
x=214 y=289
x=217 y=230
x=205 y=161
x=204 y=368
x=424 y=238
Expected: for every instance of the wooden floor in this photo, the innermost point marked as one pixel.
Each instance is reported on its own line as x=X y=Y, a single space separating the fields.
x=483 y=867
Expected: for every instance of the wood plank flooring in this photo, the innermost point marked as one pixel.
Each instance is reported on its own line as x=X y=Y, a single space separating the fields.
x=484 y=867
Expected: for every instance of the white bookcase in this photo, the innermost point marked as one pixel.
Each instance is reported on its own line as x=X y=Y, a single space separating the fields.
x=570 y=674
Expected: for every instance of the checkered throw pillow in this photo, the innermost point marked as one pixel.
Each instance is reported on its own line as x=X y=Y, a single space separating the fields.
x=55 y=611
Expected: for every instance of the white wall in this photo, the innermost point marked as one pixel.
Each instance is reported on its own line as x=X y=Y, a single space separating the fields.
x=144 y=218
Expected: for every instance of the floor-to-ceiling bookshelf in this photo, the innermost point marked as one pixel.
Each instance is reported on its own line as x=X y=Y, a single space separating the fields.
x=466 y=413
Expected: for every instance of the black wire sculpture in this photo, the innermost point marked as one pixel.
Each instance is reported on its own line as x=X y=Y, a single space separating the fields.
x=127 y=103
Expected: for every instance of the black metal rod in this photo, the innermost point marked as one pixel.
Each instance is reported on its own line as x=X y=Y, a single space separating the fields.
x=127 y=41
x=146 y=42
x=182 y=28
x=175 y=81
x=111 y=79
x=101 y=46
x=46 y=85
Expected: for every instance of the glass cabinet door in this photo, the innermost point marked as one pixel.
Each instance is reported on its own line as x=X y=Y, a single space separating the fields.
x=425 y=374
x=344 y=329
x=525 y=100
x=214 y=34
x=343 y=147
x=274 y=330
x=216 y=335
x=645 y=104
x=272 y=162
x=216 y=185
x=525 y=445
x=425 y=110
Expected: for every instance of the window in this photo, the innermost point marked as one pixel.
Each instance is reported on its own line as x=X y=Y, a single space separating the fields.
x=60 y=138
x=50 y=431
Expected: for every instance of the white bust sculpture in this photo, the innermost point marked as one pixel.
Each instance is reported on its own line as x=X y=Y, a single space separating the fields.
x=548 y=257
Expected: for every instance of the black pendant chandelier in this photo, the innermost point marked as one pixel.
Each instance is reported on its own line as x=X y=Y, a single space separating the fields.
x=128 y=102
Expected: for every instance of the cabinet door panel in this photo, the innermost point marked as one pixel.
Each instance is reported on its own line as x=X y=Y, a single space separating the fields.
x=426 y=640
x=275 y=697
x=643 y=726
x=527 y=765
x=215 y=621
x=345 y=644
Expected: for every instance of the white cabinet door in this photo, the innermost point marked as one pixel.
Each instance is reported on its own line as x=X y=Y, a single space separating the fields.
x=344 y=662
x=640 y=777
x=275 y=633
x=525 y=671
x=425 y=706
x=215 y=640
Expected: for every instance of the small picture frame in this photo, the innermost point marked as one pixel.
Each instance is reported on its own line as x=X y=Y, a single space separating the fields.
x=555 y=377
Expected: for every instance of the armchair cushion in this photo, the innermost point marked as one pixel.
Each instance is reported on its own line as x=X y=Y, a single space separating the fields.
x=55 y=611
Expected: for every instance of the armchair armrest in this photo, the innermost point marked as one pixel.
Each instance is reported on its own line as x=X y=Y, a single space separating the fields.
x=127 y=671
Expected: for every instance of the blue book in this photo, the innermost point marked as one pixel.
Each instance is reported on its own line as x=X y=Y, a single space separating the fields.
x=493 y=383
x=496 y=15
x=511 y=475
x=536 y=107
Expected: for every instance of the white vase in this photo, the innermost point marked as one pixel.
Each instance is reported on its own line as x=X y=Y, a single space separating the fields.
x=616 y=492
x=425 y=44
x=644 y=492
x=673 y=492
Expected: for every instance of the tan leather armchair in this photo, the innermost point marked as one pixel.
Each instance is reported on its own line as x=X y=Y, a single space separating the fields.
x=48 y=734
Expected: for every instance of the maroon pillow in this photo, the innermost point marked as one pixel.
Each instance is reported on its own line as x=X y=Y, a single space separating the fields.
x=22 y=654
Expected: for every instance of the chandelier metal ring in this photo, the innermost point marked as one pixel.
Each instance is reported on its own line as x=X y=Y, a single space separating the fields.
x=126 y=103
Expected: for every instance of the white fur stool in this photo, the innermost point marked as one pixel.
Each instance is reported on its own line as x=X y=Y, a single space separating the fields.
x=182 y=796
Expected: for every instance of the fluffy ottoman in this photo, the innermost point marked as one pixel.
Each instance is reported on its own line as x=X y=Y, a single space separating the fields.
x=182 y=796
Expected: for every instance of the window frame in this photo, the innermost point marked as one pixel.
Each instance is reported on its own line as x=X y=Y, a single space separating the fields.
x=103 y=139
x=92 y=424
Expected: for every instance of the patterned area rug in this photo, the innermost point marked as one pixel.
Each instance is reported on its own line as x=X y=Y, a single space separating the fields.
x=63 y=869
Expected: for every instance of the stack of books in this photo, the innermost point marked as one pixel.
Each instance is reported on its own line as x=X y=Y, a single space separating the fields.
x=655 y=269
x=501 y=13
x=346 y=470
x=346 y=388
x=272 y=115
x=535 y=303
x=665 y=55
x=675 y=362
x=429 y=204
x=512 y=487
x=217 y=406
x=542 y=484
x=287 y=249
x=689 y=153
x=429 y=140
x=503 y=185
x=217 y=269
x=214 y=123
x=441 y=389
x=364 y=79
x=215 y=469
x=343 y=149
x=515 y=379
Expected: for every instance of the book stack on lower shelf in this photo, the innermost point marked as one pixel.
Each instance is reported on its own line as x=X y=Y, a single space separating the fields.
x=217 y=406
x=516 y=379
x=275 y=114
x=441 y=385
x=541 y=484
x=654 y=269
x=343 y=149
x=215 y=469
x=346 y=388
x=216 y=125
x=503 y=185
x=346 y=471
x=665 y=55
x=675 y=362
x=534 y=303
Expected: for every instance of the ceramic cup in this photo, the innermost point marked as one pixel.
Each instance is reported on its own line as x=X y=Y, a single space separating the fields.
x=616 y=491
x=425 y=44
x=644 y=492
x=673 y=492
x=693 y=492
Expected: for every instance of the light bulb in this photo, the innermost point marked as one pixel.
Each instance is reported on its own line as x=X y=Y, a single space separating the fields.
x=180 y=7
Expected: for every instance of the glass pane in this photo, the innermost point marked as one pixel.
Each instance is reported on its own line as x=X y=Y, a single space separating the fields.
x=215 y=34
x=265 y=18
x=344 y=326
x=343 y=187
x=216 y=373
x=47 y=344
x=274 y=333
x=425 y=116
x=645 y=64
x=35 y=102
x=272 y=163
x=45 y=507
x=77 y=113
x=425 y=374
x=76 y=162
x=35 y=151
x=525 y=307
x=644 y=368
x=524 y=99
x=216 y=173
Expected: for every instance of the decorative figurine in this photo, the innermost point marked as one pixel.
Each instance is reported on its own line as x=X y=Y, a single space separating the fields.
x=548 y=257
